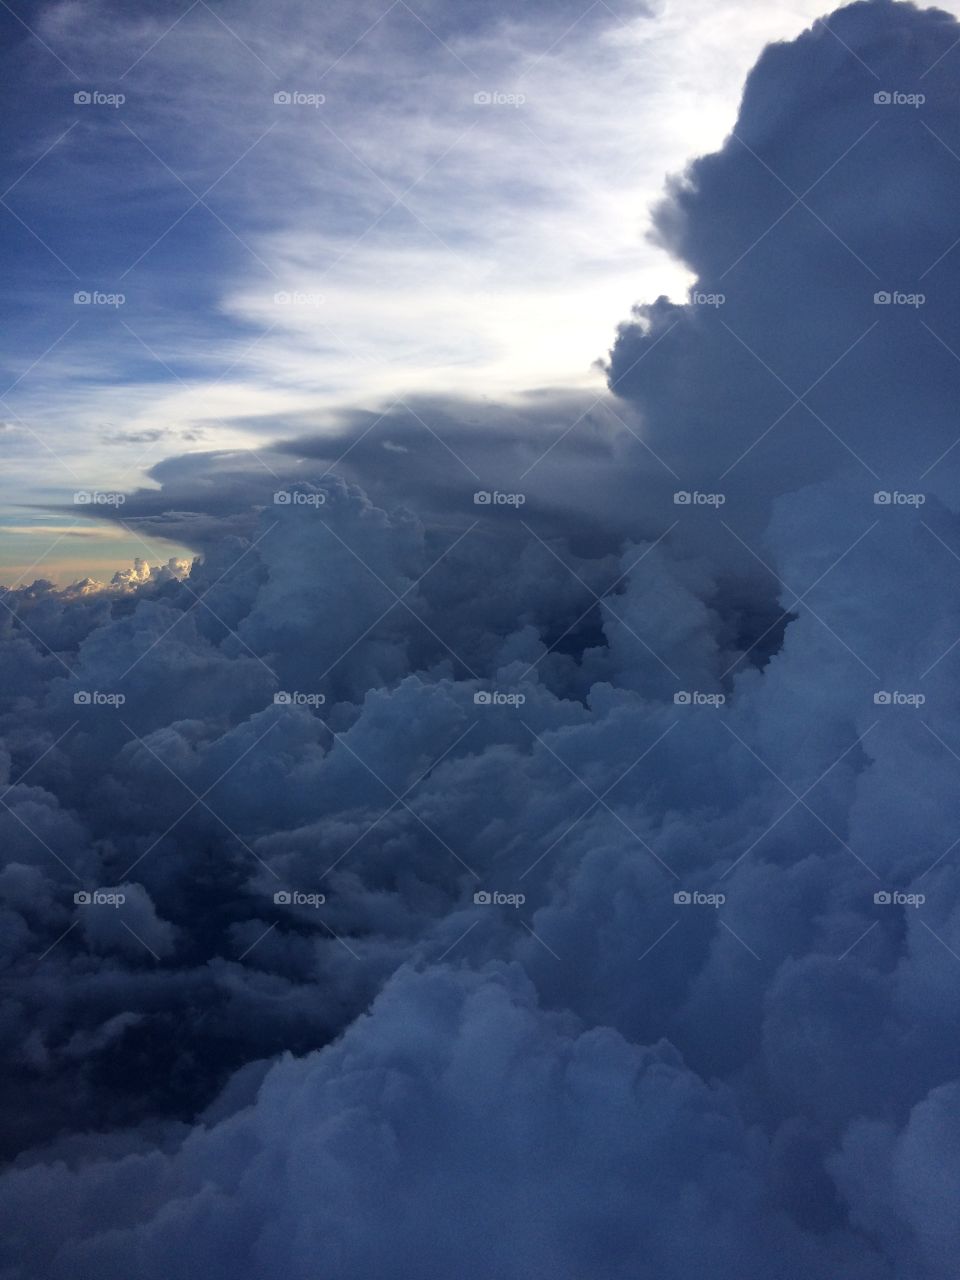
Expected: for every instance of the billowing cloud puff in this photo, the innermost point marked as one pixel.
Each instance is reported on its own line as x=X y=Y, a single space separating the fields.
x=835 y=188
x=461 y=1121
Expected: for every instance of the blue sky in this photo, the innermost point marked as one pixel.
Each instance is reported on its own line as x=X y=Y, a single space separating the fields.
x=279 y=262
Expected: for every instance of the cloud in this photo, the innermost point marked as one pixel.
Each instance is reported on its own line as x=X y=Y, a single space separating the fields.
x=539 y=887
x=769 y=226
x=508 y=1081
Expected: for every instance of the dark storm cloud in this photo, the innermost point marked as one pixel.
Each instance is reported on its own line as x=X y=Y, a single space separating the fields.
x=283 y=780
x=820 y=199
x=565 y=450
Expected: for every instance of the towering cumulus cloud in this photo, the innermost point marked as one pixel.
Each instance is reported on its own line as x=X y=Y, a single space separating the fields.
x=525 y=844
